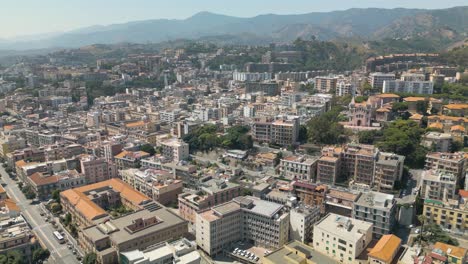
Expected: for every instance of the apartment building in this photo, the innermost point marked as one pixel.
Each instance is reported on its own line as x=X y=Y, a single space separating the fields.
x=44 y=185
x=31 y=154
x=451 y=215
x=377 y=79
x=97 y=169
x=310 y=194
x=26 y=169
x=328 y=169
x=302 y=220
x=454 y=163
x=129 y=159
x=178 y=251
x=439 y=142
x=175 y=149
x=341 y=238
x=325 y=84
x=377 y=208
x=284 y=130
x=16 y=235
x=298 y=167
x=388 y=170
x=413 y=87
x=451 y=254
x=10 y=143
x=62 y=151
x=213 y=192
x=251 y=76
x=260 y=222
x=159 y=185
x=340 y=201
x=438 y=185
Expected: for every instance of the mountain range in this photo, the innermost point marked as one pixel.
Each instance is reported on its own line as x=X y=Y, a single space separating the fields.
x=368 y=24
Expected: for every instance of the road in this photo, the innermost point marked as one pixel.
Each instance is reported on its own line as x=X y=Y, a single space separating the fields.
x=59 y=253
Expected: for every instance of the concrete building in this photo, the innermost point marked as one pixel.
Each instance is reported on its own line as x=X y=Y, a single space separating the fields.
x=377 y=79
x=44 y=185
x=97 y=169
x=296 y=252
x=159 y=185
x=454 y=163
x=15 y=234
x=260 y=222
x=251 y=76
x=436 y=141
x=298 y=167
x=284 y=130
x=175 y=149
x=438 y=185
x=328 y=169
x=341 y=238
x=302 y=220
x=450 y=253
x=325 y=84
x=377 y=208
x=129 y=159
x=413 y=87
x=11 y=143
x=147 y=223
x=450 y=215
x=310 y=194
x=388 y=170
x=213 y=192
x=180 y=251
x=345 y=88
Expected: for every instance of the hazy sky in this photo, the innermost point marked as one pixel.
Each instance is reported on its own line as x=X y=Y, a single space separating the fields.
x=25 y=17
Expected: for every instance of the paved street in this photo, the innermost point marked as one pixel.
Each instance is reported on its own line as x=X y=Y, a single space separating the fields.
x=43 y=230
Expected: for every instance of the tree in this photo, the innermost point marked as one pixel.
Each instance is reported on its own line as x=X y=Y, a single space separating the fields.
x=325 y=129
x=369 y=136
x=278 y=158
x=15 y=257
x=56 y=195
x=422 y=106
x=302 y=134
x=90 y=258
x=3 y=259
x=55 y=208
x=148 y=149
x=67 y=220
x=40 y=255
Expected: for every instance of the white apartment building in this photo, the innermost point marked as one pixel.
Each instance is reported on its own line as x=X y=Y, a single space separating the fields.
x=247 y=218
x=341 y=238
x=377 y=79
x=175 y=149
x=298 y=167
x=437 y=141
x=345 y=88
x=302 y=222
x=438 y=185
x=415 y=87
x=251 y=76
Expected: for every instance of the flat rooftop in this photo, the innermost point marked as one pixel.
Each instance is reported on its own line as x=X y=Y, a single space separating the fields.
x=343 y=227
x=258 y=206
x=281 y=255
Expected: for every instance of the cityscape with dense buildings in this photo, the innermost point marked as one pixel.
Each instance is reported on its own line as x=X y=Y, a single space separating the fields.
x=297 y=139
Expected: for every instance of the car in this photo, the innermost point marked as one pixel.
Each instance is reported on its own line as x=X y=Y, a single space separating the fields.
x=70 y=246
x=417 y=231
x=41 y=214
x=74 y=252
x=257 y=258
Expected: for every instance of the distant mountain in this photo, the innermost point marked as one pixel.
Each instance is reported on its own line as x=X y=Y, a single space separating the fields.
x=370 y=23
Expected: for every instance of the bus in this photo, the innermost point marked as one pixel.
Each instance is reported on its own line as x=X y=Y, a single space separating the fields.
x=59 y=237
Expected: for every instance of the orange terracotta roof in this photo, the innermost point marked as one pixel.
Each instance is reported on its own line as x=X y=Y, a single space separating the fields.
x=20 y=163
x=456 y=106
x=414 y=99
x=388 y=95
x=125 y=190
x=436 y=125
x=2 y=190
x=39 y=179
x=444 y=117
x=386 y=248
x=458 y=252
x=416 y=117
x=457 y=128
x=135 y=124
x=463 y=193
x=11 y=205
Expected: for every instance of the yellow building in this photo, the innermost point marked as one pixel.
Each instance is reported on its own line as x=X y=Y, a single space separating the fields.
x=296 y=252
x=454 y=255
x=452 y=215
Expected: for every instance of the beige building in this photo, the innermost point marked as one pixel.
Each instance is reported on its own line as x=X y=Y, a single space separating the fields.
x=159 y=185
x=175 y=149
x=454 y=163
x=341 y=238
x=283 y=130
x=129 y=159
x=438 y=185
x=388 y=170
x=296 y=252
x=298 y=167
x=10 y=143
x=260 y=222
x=325 y=84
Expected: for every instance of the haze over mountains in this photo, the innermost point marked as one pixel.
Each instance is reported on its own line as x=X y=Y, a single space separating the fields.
x=369 y=23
